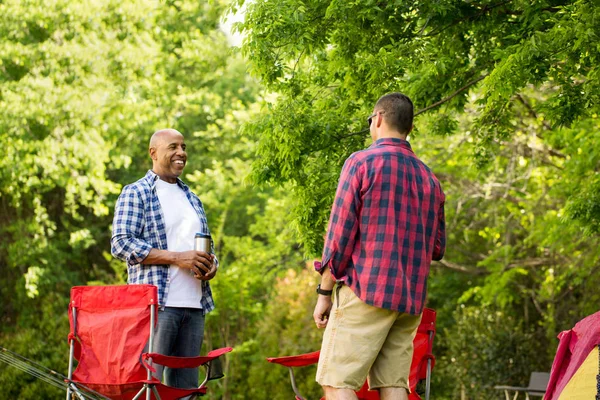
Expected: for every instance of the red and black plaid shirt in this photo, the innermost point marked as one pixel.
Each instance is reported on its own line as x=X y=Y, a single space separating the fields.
x=387 y=224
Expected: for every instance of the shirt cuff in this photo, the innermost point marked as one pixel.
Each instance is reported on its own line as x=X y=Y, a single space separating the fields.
x=139 y=255
x=319 y=267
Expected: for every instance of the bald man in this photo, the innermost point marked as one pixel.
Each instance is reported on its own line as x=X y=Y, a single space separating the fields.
x=156 y=219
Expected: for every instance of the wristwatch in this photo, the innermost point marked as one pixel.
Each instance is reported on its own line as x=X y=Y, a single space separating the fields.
x=323 y=292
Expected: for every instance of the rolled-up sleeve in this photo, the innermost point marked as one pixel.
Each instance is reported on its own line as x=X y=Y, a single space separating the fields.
x=128 y=226
x=439 y=248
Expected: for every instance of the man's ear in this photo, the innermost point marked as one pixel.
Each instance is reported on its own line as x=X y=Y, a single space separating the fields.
x=152 y=152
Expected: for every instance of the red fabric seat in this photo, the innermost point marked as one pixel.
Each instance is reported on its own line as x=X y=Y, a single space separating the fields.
x=110 y=326
x=423 y=344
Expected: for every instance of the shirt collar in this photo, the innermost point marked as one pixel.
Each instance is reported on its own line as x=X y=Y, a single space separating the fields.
x=151 y=177
x=392 y=142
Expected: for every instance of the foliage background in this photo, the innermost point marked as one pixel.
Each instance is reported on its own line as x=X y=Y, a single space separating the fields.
x=507 y=93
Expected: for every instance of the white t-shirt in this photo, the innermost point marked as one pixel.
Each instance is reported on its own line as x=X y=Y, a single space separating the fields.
x=181 y=224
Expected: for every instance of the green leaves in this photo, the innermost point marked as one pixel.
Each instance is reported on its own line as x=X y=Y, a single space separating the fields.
x=82 y=87
x=506 y=95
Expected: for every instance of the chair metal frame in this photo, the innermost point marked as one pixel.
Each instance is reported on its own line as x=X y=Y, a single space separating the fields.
x=537 y=386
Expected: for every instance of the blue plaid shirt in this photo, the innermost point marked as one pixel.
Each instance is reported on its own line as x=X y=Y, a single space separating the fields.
x=139 y=226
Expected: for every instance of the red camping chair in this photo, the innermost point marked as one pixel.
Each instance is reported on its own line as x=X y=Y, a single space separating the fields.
x=421 y=366
x=110 y=326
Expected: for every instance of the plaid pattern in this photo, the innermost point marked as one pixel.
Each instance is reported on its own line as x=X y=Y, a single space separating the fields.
x=386 y=225
x=138 y=227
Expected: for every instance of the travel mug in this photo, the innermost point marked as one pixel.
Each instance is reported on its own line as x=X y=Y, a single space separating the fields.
x=203 y=242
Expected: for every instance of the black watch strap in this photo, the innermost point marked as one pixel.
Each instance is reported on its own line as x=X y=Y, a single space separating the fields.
x=323 y=292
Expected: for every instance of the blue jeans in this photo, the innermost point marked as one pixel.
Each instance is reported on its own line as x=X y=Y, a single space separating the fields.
x=179 y=333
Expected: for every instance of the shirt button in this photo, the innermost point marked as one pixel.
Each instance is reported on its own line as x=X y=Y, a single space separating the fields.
x=168 y=280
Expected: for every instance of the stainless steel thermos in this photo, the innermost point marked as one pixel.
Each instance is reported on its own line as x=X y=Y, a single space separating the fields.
x=203 y=242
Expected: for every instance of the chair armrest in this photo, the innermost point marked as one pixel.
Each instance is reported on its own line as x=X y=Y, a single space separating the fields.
x=427 y=323
x=301 y=360
x=513 y=388
x=536 y=392
x=185 y=362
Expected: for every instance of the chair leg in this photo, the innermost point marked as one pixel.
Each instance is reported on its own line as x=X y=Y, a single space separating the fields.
x=146 y=389
x=150 y=348
x=208 y=371
x=71 y=353
x=429 y=367
x=74 y=392
x=294 y=387
x=428 y=379
x=155 y=392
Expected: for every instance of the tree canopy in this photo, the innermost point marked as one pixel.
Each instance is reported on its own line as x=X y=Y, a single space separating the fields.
x=500 y=61
x=82 y=87
x=507 y=117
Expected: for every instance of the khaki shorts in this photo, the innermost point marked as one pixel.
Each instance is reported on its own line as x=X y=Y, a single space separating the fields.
x=362 y=340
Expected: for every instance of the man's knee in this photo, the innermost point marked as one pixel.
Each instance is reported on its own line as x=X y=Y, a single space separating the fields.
x=393 y=393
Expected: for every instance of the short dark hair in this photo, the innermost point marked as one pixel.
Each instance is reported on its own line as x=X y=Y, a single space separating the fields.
x=398 y=111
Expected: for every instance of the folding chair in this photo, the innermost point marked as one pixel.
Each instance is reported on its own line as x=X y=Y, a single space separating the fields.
x=422 y=363
x=110 y=327
x=537 y=386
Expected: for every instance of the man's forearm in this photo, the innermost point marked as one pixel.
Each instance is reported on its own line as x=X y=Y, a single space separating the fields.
x=191 y=259
x=327 y=281
x=157 y=256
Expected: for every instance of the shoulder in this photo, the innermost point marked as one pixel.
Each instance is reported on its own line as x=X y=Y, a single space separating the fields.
x=357 y=158
x=140 y=188
x=373 y=151
x=352 y=167
x=364 y=160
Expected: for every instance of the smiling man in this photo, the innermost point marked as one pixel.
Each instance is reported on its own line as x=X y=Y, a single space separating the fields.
x=155 y=221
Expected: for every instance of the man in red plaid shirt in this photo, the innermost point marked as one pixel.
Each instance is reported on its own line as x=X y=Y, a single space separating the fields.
x=386 y=226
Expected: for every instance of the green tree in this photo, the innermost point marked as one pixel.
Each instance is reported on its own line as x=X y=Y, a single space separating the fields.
x=323 y=56
x=82 y=87
x=507 y=117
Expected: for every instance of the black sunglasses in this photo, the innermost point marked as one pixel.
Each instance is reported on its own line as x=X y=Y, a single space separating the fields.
x=370 y=117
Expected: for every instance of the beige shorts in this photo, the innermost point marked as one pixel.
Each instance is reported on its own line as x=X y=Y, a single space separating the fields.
x=361 y=340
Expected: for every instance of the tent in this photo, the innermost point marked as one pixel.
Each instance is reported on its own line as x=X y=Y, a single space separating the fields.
x=575 y=371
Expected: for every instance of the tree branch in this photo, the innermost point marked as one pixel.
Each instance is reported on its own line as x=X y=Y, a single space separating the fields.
x=532 y=111
x=453 y=95
x=352 y=134
x=530 y=263
x=459 y=268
